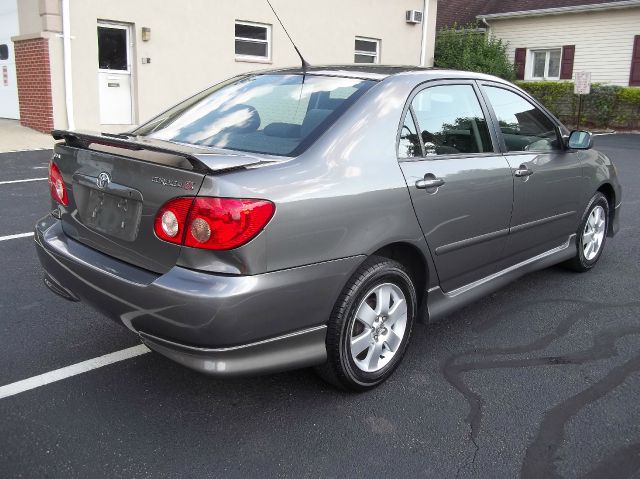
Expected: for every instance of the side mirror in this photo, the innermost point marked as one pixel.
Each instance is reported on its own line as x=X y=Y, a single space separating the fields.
x=580 y=140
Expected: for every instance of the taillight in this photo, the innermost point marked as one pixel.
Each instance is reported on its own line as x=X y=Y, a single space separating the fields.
x=171 y=219
x=212 y=223
x=56 y=185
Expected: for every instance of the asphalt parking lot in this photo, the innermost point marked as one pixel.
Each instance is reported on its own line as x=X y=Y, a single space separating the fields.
x=541 y=379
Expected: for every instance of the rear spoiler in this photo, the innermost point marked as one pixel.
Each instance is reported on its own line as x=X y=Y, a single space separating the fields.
x=136 y=146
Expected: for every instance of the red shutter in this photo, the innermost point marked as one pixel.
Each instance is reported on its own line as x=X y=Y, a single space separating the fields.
x=634 y=78
x=520 y=60
x=566 y=65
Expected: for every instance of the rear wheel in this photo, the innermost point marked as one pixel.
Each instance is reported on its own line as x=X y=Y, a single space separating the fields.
x=591 y=234
x=370 y=325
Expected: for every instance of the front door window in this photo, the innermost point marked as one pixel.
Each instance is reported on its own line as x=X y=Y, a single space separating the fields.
x=524 y=127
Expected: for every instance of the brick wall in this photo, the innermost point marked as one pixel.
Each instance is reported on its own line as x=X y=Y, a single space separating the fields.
x=33 y=73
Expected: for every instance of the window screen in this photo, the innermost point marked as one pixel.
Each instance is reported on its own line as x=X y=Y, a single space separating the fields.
x=546 y=63
x=451 y=121
x=366 y=50
x=524 y=127
x=252 y=40
x=4 y=51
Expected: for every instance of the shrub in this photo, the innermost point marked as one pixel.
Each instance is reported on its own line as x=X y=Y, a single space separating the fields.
x=558 y=97
x=606 y=106
x=472 y=50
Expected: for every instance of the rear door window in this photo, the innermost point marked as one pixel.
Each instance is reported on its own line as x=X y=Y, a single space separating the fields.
x=451 y=121
x=409 y=144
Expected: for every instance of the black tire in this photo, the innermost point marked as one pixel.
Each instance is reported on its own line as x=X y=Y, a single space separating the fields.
x=340 y=369
x=579 y=262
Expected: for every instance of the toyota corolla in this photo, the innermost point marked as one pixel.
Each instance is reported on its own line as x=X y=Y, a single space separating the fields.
x=298 y=218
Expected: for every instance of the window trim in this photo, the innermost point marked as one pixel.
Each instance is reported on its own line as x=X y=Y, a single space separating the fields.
x=253 y=58
x=530 y=64
x=488 y=115
x=376 y=56
x=496 y=128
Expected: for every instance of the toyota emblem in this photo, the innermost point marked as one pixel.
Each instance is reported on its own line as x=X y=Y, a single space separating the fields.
x=103 y=180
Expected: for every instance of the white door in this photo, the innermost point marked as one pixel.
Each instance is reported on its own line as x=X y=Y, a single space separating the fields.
x=8 y=86
x=114 y=74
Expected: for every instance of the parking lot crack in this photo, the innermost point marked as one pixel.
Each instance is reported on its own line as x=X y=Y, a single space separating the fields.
x=603 y=347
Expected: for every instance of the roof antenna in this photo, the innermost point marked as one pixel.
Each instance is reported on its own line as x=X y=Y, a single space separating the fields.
x=305 y=65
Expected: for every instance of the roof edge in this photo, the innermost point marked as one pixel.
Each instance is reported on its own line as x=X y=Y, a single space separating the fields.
x=561 y=10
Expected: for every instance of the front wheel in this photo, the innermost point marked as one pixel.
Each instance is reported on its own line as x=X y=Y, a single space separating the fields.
x=370 y=325
x=591 y=234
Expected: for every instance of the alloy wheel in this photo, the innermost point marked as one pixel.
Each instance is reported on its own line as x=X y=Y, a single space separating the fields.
x=594 y=232
x=378 y=327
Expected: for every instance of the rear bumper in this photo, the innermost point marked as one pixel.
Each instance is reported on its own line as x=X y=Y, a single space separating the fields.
x=216 y=324
x=294 y=350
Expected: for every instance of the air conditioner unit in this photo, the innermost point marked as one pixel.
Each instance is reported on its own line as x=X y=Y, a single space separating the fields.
x=413 y=16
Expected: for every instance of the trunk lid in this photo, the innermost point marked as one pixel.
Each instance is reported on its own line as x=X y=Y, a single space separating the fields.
x=116 y=185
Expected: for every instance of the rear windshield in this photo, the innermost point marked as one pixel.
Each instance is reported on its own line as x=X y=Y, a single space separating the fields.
x=271 y=114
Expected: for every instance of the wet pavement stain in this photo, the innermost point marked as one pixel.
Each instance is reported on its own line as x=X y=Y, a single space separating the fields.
x=540 y=457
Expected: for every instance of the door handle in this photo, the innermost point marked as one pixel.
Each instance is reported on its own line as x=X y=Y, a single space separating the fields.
x=523 y=171
x=429 y=181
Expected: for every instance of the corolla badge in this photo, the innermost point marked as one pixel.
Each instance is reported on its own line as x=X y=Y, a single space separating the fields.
x=186 y=185
x=103 y=180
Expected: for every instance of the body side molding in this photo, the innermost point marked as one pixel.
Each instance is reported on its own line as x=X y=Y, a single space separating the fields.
x=440 y=303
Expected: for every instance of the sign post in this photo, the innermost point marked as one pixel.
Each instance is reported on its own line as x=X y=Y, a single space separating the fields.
x=581 y=86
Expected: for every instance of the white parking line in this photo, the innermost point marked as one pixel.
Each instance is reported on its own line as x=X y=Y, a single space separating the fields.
x=19 y=235
x=22 y=181
x=73 y=370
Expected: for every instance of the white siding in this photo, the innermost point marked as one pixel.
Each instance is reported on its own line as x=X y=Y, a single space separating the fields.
x=603 y=40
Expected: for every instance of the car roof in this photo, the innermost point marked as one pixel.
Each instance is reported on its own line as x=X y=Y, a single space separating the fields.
x=367 y=71
x=379 y=72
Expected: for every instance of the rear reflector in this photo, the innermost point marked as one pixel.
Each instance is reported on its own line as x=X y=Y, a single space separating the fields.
x=56 y=185
x=212 y=223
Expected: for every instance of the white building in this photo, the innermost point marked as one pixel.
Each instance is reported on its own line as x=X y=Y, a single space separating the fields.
x=108 y=65
x=552 y=43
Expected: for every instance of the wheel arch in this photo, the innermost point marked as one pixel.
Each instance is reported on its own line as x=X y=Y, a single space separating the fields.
x=414 y=260
x=610 y=194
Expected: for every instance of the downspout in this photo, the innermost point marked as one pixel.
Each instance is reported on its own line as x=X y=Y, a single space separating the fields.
x=66 y=48
x=423 y=45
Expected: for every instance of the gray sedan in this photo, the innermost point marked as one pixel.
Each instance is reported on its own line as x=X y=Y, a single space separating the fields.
x=296 y=218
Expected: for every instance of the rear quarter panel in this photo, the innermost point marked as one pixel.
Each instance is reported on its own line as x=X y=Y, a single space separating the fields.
x=344 y=196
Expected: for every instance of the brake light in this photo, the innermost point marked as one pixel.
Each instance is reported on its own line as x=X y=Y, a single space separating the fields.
x=56 y=185
x=212 y=223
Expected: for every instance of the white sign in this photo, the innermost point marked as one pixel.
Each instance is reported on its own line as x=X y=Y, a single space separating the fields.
x=582 y=85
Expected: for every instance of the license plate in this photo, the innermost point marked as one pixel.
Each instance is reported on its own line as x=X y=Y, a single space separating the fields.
x=113 y=215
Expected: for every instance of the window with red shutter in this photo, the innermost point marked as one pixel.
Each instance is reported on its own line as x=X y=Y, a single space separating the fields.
x=634 y=77
x=566 y=66
x=520 y=61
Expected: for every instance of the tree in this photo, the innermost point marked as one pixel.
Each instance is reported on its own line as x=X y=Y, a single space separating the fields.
x=472 y=50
